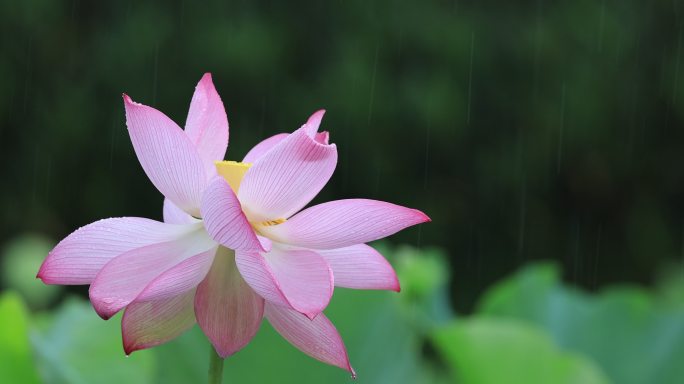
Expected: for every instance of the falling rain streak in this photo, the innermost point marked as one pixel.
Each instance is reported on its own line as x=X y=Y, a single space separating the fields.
x=561 y=128
x=470 y=75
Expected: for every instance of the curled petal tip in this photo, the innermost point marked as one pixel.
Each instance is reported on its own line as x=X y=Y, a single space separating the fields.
x=424 y=218
x=207 y=75
x=129 y=102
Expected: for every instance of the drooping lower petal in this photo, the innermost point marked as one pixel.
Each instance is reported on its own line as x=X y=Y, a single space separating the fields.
x=297 y=279
x=264 y=146
x=167 y=155
x=121 y=280
x=180 y=278
x=317 y=338
x=227 y=309
x=361 y=267
x=147 y=324
x=81 y=255
x=287 y=177
x=224 y=219
x=207 y=123
x=342 y=223
x=174 y=215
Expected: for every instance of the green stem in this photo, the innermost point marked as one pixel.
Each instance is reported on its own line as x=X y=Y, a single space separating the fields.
x=215 y=367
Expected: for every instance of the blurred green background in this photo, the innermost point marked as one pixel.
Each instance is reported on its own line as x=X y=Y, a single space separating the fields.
x=528 y=131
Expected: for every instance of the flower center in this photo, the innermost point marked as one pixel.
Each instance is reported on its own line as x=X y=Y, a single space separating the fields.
x=233 y=172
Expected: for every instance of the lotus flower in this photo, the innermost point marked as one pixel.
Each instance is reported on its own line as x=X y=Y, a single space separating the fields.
x=234 y=246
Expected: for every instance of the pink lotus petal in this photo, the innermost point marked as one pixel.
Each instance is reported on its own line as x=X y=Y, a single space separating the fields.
x=263 y=147
x=317 y=338
x=298 y=279
x=228 y=310
x=342 y=223
x=207 y=123
x=175 y=215
x=121 y=280
x=287 y=177
x=146 y=324
x=360 y=267
x=266 y=244
x=81 y=255
x=167 y=155
x=224 y=219
x=311 y=126
x=180 y=278
x=322 y=137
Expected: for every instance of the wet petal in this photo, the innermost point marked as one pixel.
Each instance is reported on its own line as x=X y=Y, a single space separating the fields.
x=167 y=155
x=360 y=267
x=224 y=219
x=317 y=338
x=287 y=177
x=121 y=280
x=298 y=279
x=228 y=310
x=342 y=223
x=147 y=324
x=263 y=147
x=81 y=255
x=207 y=123
x=175 y=215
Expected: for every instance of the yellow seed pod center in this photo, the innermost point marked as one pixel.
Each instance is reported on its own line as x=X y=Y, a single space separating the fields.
x=232 y=172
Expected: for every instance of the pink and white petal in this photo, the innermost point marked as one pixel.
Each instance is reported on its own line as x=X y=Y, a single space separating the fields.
x=146 y=324
x=361 y=267
x=311 y=126
x=297 y=279
x=180 y=278
x=121 y=280
x=224 y=219
x=207 y=123
x=322 y=137
x=260 y=149
x=287 y=177
x=317 y=338
x=167 y=155
x=227 y=309
x=342 y=223
x=175 y=215
x=81 y=255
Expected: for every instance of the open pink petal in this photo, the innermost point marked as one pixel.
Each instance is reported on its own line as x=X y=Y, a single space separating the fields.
x=298 y=279
x=180 y=278
x=167 y=155
x=287 y=177
x=228 y=310
x=322 y=137
x=342 y=223
x=175 y=215
x=81 y=255
x=146 y=324
x=317 y=338
x=360 y=267
x=224 y=219
x=311 y=126
x=263 y=147
x=207 y=123
x=121 y=280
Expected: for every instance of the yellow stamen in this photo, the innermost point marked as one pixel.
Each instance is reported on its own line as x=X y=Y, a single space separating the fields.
x=270 y=223
x=232 y=172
